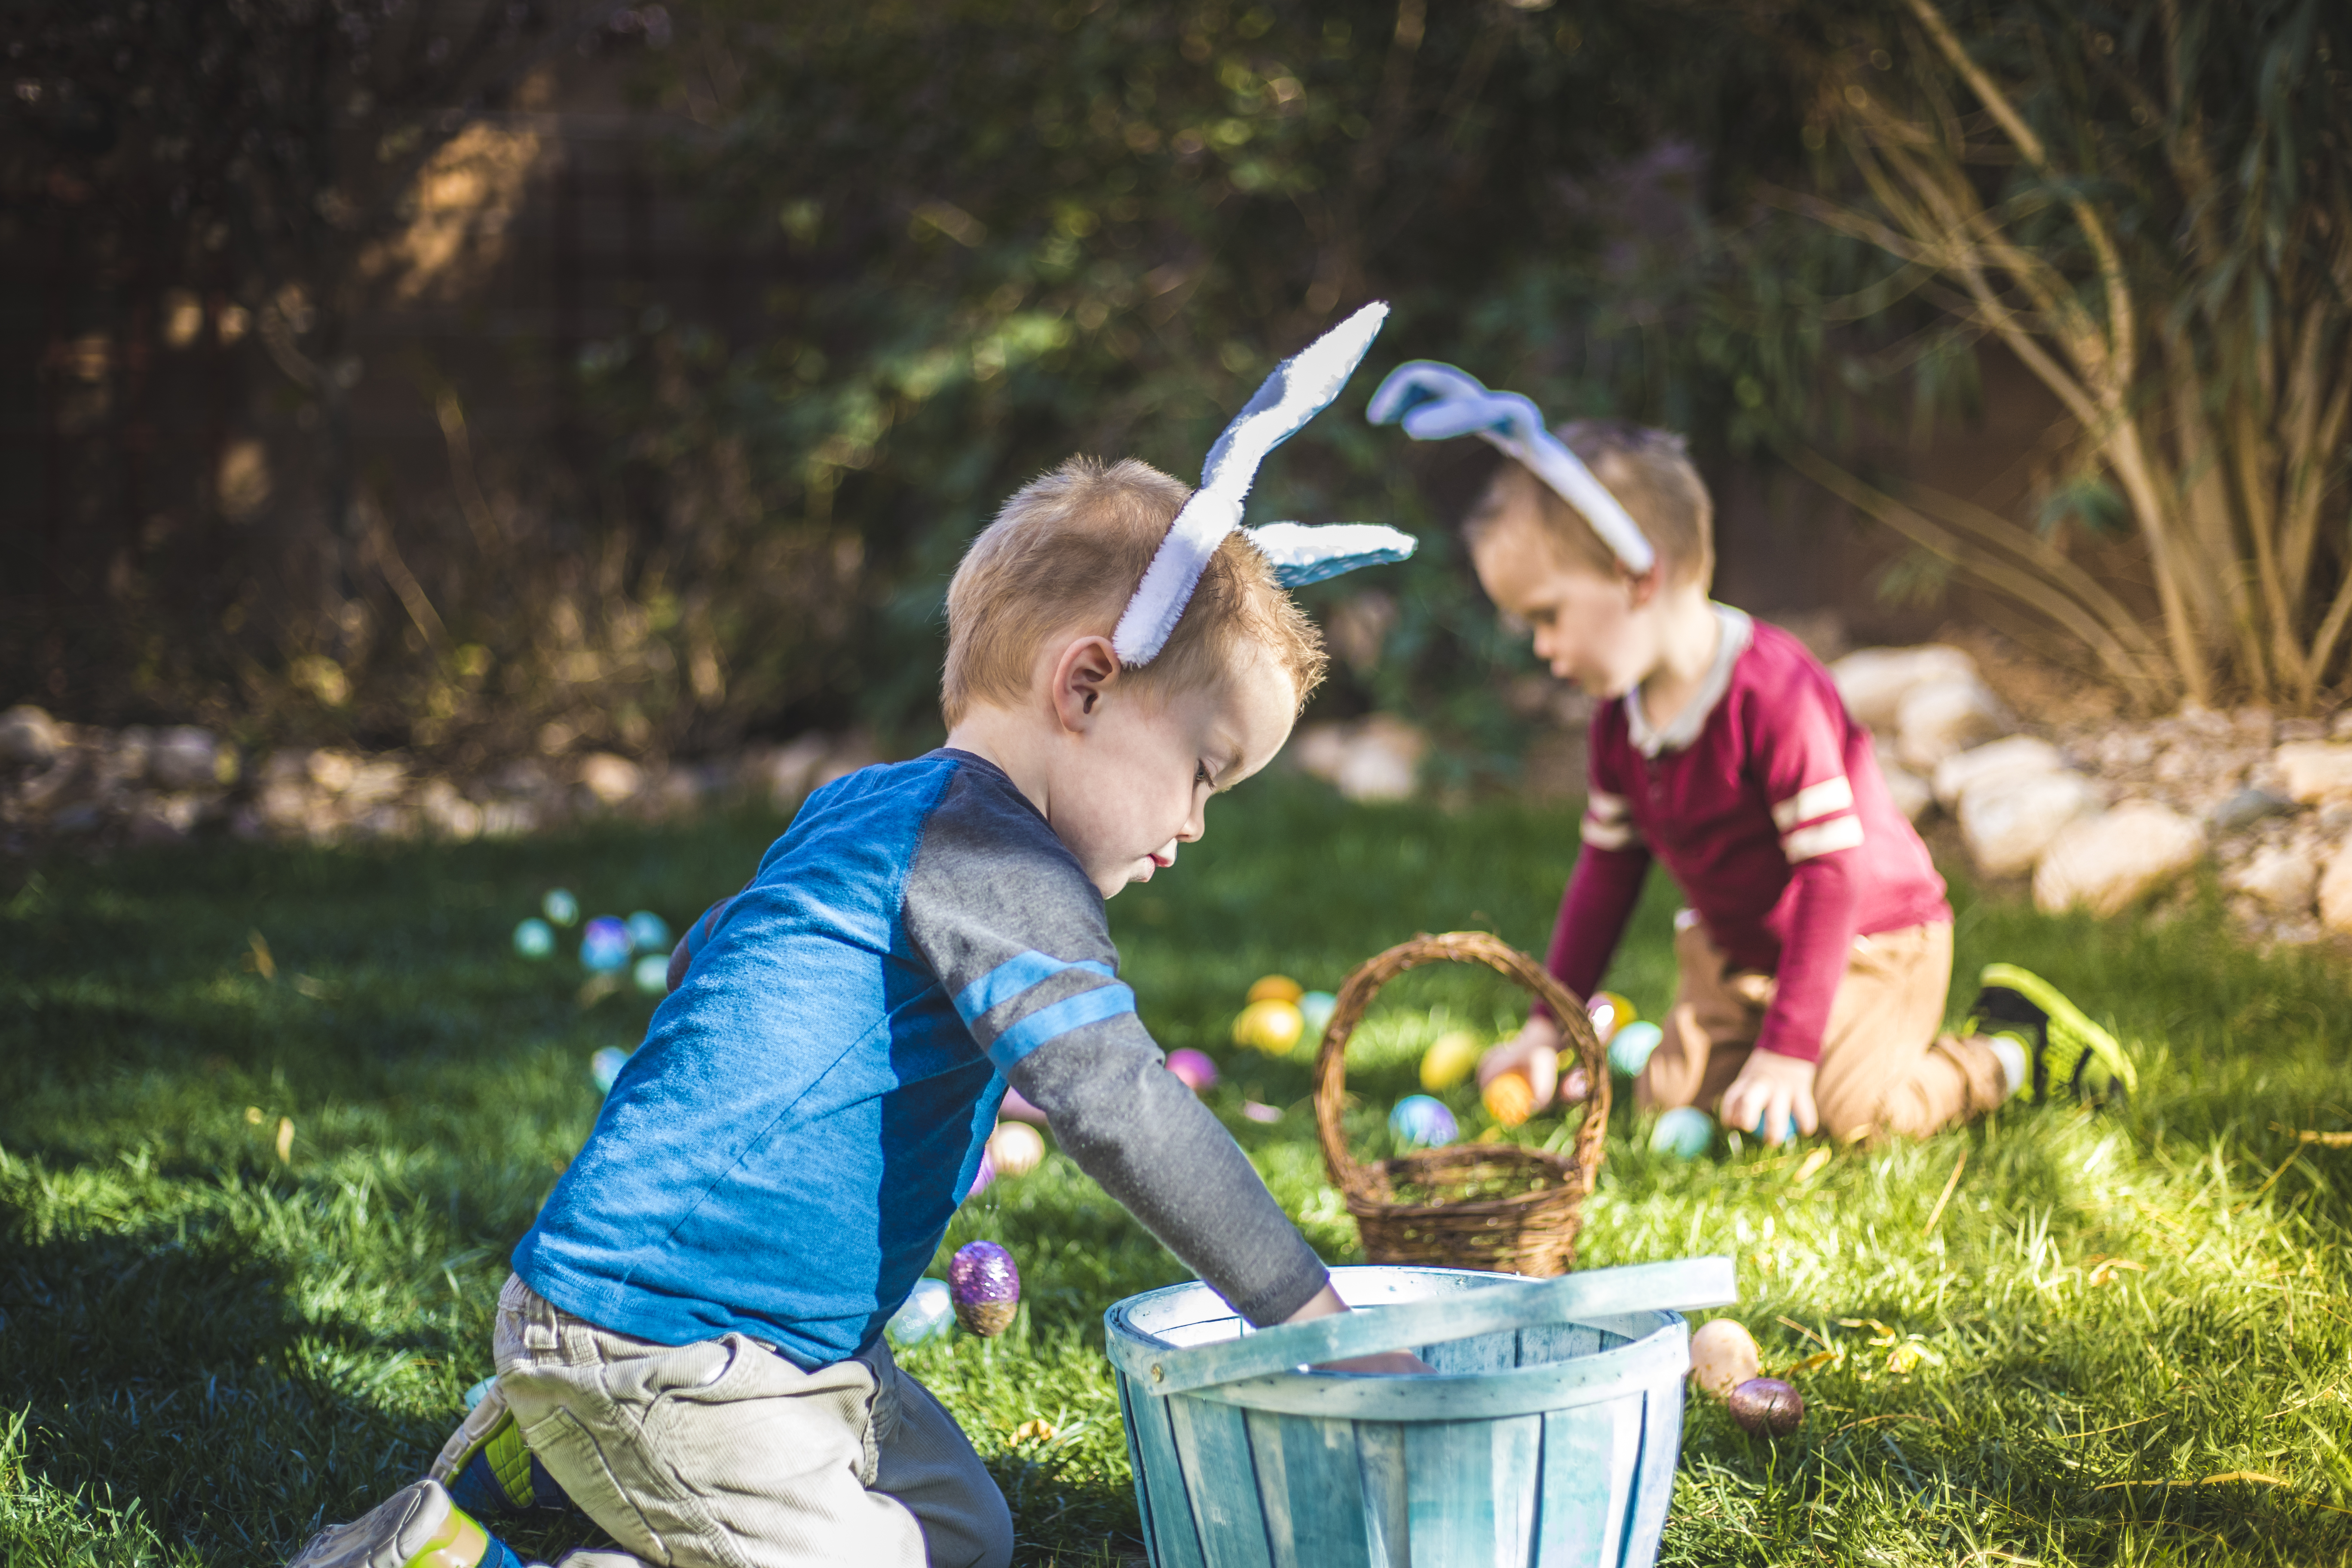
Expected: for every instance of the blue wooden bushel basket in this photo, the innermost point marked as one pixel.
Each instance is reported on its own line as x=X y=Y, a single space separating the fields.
x=1549 y=1437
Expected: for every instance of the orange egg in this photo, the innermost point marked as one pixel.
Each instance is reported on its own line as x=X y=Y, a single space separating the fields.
x=1510 y=1099
x=1277 y=988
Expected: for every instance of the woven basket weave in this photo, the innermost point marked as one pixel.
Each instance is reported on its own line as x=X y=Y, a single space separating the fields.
x=1472 y=1206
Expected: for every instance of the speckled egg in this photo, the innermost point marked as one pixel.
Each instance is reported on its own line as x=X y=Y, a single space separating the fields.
x=1451 y=1061
x=1722 y=1356
x=1509 y=1099
x=1767 y=1407
x=1610 y=1012
x=1682 y=1133
x=926 y=1313
x=1195 y=1070
x=1315 y=1008
x=1015 y=1149
x=1630 y=1048
x=1269 y=1024
x=1420 y=1123
x=985 y=1287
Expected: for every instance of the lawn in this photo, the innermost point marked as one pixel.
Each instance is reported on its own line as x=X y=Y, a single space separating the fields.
x=2128 y=1335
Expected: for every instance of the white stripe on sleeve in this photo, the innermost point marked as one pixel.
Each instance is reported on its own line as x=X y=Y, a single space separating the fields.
x=1821 y=838
x=1813 y=800
x=1603 y=807
x=1609 y=835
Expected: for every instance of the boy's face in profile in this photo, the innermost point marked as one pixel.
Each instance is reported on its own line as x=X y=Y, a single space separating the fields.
x=1590 y=629
x=1138 y=784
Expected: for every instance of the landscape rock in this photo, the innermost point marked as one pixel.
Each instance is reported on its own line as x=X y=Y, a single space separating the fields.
x=2245 y=808
x=2314 y=770
x=187 y=757
x=2335 y=892
x=2018 y=756
x=612 y=779
x=1377 y=758
x=1874 y=681
x=2284 y=877
x=1910 y=792
x=29 y=737
x=2104 y=863
x=2008 y=820
x=1937 y=717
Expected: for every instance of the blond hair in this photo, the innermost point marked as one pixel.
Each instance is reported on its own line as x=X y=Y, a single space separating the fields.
x=1063 y=558
x=1650 y=473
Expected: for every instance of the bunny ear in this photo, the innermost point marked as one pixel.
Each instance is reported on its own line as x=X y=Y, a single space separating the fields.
x=1302 y=555
x=1300 y=387
x=1434 y=402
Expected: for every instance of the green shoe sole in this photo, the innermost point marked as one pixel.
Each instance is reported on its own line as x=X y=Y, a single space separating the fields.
x=2072 y=1043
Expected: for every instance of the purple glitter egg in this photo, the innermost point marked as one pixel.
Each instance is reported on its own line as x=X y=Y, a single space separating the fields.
x=985 y=1287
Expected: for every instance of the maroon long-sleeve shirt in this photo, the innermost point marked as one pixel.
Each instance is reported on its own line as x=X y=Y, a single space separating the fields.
x=1765 y=802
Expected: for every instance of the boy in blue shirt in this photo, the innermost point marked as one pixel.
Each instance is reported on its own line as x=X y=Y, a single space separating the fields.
x=690 y=1349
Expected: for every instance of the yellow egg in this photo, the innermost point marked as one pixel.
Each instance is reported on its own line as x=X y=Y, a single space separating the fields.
x=1271 y=1025
x=1015 y=1149
x=1277 y=988
x=1610 y=1014
x=1722 y=1356
x=1510 y=1099
x=1450 y=1061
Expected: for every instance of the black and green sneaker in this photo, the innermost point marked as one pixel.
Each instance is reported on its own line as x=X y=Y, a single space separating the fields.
x=2068 y=1052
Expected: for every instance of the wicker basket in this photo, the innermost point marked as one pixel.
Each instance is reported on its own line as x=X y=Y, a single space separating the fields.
x=1472 y=1206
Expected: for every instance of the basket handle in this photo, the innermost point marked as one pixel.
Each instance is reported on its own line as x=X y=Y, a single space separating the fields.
x=1454 y=947
x=1682 y=1286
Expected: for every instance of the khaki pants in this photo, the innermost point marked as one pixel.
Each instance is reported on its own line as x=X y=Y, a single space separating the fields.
x=1884 y=1066
x=723 y=1454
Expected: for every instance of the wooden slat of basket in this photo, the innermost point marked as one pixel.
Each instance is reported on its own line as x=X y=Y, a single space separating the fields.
x=1531 y=1231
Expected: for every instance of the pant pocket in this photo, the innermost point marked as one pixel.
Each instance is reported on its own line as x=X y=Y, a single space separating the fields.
x=576 y=1460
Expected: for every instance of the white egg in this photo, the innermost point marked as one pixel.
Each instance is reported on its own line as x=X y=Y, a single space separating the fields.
x=1722 y=1356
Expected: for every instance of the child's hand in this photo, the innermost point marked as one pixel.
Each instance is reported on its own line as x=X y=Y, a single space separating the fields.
x=1534 y=1055
x=1772 y=1098
x=1325 y=1302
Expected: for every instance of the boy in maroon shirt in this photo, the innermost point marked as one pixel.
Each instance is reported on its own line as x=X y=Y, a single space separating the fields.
x=1816 y=954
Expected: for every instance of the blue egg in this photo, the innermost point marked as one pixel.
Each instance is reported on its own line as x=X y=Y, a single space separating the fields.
x=1682 y=1133
x=480 y=1392
x=1630 y=1048
x=1420 y=1123
x=1316 y=1007
x=929 y=1309
x=649 y=931
x=606 y=1066
x=652 y=975
x=605 y=945
x=534 y=938
x=560 y=906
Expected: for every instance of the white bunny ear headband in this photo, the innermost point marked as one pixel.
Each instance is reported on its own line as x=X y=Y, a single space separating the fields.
x=1300 y=389
x=1435 y=400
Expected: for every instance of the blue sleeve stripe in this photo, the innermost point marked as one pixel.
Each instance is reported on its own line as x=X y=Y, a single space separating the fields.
x=1013 y=976
x=1049 y=1024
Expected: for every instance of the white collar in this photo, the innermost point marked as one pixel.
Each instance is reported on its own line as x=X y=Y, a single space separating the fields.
x=1737 y=632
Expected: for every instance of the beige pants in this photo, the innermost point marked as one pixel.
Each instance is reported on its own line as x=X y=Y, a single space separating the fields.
x=722 y=1454
x=1884 y=1066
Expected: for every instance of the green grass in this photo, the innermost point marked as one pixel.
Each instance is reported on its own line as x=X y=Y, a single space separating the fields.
x=208 y=1351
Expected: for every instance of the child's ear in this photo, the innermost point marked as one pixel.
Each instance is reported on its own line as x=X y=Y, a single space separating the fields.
x=1643 y=587
x=1082 y=675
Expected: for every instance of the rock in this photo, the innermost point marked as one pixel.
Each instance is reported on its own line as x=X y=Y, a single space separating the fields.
x=446 y=813
x=1910 y=792
x=612 y=779
x=784 y=773
x=1383 y=760
x=1317 y=749
x=2019 y=755
x=2335 y=892
x=2103 y=863
x=2314 y=770
x=187 y=757
x=2284 y=877
x=331 y=770
x=29 y=737
x=1874 y=681
x=2245 y=808
x=1937 y=717
x=2008 y=820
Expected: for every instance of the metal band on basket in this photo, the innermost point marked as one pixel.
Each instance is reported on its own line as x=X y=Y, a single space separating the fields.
x=1472 y=1206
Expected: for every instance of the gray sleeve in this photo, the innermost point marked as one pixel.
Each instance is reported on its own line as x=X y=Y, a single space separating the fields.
x=1006 y=919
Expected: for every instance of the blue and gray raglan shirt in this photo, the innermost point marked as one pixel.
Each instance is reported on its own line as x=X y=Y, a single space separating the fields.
x=782 y=1155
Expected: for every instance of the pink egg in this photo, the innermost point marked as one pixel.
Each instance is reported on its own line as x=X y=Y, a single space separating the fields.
x=1199 y=1073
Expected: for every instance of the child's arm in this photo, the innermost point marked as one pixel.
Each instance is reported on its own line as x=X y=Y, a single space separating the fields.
x=697 y=936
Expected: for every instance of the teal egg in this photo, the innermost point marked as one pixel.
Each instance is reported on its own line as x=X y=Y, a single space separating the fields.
x=930 y=1308
x=560 y=907
x=1630 y=1048
x=1316 y=1007
x=534 y=938
x=1682 y=1133
x=652 y=975
x=479 y=1391
x=648 y=931
x=606 y=1066
x=1420 y=1123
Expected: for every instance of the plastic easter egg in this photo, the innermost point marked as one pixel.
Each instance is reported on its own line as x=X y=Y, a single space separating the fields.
x=1277 y=988
x=1629 y=1052
x=1315 y=1007
x=1609 y=1013
x=925 y=1314
x=534 y=938
x=1270 y=1026
x=1684 y=1133
x=1450 y=1060
x=1767 y=1407
x=479 y=1391
x=605 y=945
x=1723 y=1355
x=606 y=1066
x=1509 y=1099
x=1420 y=1123
x=981 y=1178
x=1574 y=1087
x=1015 y=1149
x=560 y=907
x=985 y=1287
x=1196 y=1070
x=648 y=933
x=652 y=975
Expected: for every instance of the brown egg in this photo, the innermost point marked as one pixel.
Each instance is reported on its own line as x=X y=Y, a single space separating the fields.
x=1722 y=1356
x=1767 y=1407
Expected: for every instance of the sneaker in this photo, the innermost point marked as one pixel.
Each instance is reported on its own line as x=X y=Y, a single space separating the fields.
x=2068 y=1052
x=417 y=1527
x=497 y=1476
